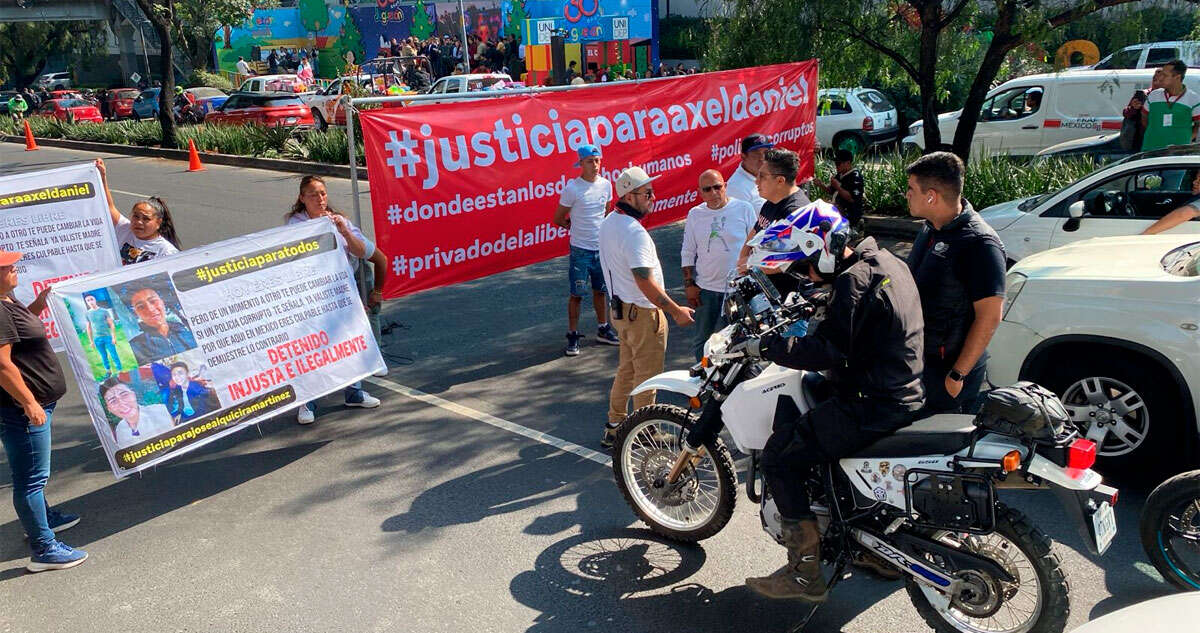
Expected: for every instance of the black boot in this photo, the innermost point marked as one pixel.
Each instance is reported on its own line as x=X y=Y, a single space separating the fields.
x=801 y=577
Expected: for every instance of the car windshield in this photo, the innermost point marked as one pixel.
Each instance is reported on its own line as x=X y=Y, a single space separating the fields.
x=479 y=84
x=1183 y=261
x=875 y=101
x=271 y=102
x=127 y=94
x=72 y=103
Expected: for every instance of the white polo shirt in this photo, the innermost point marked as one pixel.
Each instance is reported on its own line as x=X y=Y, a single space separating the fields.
x=624 y=245
x=741 y=185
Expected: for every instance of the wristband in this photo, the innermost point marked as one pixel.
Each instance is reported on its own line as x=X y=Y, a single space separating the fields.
x=955 y=375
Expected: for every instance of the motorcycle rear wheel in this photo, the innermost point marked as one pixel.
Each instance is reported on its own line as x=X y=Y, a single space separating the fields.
x=1170 y=530
x=1026 y=553
x=700 y=503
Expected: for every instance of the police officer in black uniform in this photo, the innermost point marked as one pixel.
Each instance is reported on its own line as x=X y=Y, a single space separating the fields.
x=870 y=342
x=958 y=263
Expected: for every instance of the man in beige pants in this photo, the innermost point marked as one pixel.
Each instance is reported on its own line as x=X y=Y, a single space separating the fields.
x=635 y=283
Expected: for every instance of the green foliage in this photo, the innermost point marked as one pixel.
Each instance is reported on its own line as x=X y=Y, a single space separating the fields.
x=330 y=147
x=1118 y=27
x=682 y=37
x=314 y=15
x=26 y=46
x=211 y=80
x=989 y=181
x=197 y=20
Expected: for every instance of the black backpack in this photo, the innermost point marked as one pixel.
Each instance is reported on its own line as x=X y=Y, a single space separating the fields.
x=1023 y=410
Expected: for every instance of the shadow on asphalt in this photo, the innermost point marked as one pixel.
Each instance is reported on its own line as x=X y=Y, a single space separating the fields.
x=599 y=580
x=115 y=508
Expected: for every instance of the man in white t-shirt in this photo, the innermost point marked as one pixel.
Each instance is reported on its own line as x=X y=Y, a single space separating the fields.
x=741 y=184
x=713 y=236
x=243 y=67
x=581 y=208
x=635 y=281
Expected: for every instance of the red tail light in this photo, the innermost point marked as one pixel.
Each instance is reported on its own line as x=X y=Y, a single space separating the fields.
x=1081 y=454
x=868 y=124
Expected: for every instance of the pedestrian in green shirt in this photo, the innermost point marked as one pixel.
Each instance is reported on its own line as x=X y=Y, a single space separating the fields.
x=17 y=107
x=1171 y=114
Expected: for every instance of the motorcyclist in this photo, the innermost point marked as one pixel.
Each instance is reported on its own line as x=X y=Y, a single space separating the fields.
x=17 y=107
x=870 y=345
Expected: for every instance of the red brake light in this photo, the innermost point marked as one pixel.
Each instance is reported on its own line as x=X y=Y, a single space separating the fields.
x=1081 y=454
x=868 y=124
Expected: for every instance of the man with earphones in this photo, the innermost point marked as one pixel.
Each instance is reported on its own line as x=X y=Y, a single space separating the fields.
x=957 y=261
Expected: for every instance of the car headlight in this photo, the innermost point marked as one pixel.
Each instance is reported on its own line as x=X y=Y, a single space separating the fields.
x=1013 y=283
x=915 y=128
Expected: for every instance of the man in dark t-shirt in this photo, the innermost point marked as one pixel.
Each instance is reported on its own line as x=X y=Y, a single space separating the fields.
x=958 y=262
x=847 y=187
x=777 y=184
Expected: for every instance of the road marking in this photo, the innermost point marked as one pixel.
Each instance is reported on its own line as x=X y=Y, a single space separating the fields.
x=500 y=423
x=129 y=193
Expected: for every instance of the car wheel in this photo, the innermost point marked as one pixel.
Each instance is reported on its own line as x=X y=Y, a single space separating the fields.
x=850 y=142
x=1123 y=403
x=319 y=120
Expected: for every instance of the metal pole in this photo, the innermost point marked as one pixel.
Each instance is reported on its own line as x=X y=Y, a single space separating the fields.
x=462 y=13
x=352 y=151
x=145 y=53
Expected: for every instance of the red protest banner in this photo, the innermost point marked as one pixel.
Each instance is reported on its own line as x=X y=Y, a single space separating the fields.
x=464 y=190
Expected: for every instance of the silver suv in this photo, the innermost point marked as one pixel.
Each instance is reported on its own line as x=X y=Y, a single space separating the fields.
x=55 y=81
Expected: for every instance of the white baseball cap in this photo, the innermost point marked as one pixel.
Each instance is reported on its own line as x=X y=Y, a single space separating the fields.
x=631 y=179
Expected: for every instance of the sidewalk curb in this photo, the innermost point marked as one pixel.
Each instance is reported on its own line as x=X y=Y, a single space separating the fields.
x=893 y=226
x=253 y=162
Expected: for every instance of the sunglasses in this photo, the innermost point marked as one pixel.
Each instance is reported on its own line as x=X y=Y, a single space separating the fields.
x=710 y=188
x=648 y=194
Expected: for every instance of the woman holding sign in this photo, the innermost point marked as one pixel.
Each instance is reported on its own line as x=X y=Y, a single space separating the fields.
x=313 y=204
x=147 y=233
x=31 y=382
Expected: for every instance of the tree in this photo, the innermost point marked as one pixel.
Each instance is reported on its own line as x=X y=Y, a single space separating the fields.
x=25 y=47
x=198 y=20
x=936 y=46
x=314 y=15
x=422 y=27
x=163 y=18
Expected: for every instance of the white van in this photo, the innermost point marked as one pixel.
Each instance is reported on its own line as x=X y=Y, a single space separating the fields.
x=1152 y=55
x=1023 y=116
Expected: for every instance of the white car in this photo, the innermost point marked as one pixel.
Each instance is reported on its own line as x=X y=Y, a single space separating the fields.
x=855 y=119
x=54 y=81
x=476 y=82
x=264 y=84
x=1112 y=326
x=1120 y=199
x=1152 y=55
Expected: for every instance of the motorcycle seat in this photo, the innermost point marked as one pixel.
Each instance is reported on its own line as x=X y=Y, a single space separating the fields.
x=943 y=434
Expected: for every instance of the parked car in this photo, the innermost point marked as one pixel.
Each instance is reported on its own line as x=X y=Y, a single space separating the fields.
x=1023 y=116
x=326 y=105
x=53 y=81
x=1175 y=613
x=475 y=82
x=1121 y=199
x=66 y=94
x=4 y=97
x=1102 y=148
x=76 y=110
x=855 y=119
x=264 y=84
x=263 y=109
x=1111 y=325
x=145 y=105
x=206 y=99
x=120 y=102
x=1152 y=55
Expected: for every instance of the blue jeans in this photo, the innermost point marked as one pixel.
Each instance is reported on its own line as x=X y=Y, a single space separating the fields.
x=28 y=450
x=585 y=267
x=938 y=400
x=351 y=394
x=108 y=352
x=710 y=317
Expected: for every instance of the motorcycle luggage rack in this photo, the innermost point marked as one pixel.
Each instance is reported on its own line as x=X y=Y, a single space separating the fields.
x=950 y=488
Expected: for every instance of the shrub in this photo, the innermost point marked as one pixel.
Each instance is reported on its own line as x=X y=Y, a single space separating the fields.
x=330 y=147
x=212 y=80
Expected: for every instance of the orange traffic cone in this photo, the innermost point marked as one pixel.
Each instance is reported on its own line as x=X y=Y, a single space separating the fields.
x=193 y=157
x=30 y=144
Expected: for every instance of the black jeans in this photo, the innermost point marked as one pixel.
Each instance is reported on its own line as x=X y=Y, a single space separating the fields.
x=937 y=400
x=834 y=429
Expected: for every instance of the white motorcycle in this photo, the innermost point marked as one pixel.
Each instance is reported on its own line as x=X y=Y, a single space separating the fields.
x=923 y=499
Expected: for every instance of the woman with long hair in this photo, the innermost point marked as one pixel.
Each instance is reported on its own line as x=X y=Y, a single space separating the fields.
x=312 y=204
x=147 y=233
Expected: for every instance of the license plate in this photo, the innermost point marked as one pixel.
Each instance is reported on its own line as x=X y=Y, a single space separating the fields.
x=1105 y=523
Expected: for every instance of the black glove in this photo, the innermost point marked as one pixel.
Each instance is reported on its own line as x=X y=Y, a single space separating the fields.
x=749 y=348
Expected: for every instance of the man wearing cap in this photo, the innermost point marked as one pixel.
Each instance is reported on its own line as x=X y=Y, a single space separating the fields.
x=741 y=184
x=581 y=207
x=635 y=281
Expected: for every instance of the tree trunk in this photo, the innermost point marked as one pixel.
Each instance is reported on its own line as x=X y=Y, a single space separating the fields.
x=927 y=70
x=1003 y=42
x=166 y=96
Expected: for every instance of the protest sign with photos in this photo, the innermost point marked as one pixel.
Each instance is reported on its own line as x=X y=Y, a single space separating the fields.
x=214 y=339
x=58 y=218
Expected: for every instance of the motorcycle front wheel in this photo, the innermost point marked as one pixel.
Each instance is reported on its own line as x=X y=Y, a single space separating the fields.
x=1036 y=602
x=1170 y=530
x=700 y=502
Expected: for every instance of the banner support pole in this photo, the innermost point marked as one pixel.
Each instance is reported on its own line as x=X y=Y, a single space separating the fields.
x=352 y=151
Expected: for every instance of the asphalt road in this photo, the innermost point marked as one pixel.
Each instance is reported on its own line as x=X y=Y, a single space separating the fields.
x=470 y=501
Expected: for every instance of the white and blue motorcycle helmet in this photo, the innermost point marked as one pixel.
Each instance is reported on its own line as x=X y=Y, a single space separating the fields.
x=815 y=233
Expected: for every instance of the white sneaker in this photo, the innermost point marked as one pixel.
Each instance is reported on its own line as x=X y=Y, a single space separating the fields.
x=381 y=373
x=305 y=416
x=368 y=402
